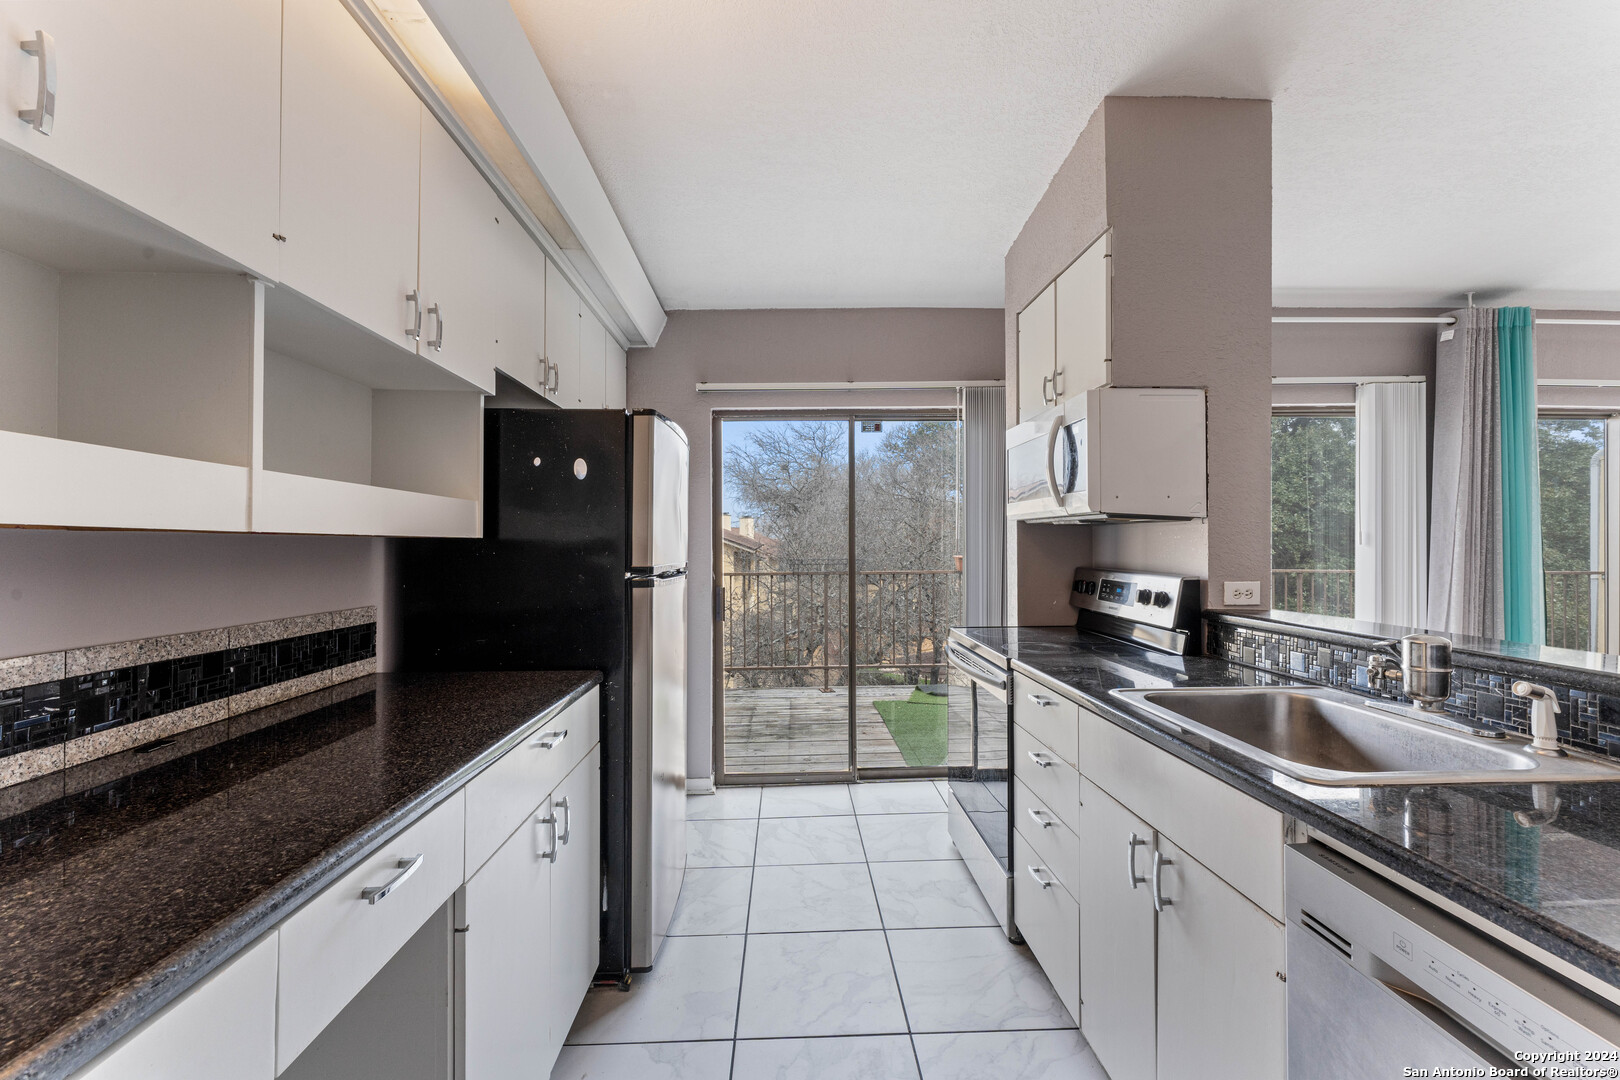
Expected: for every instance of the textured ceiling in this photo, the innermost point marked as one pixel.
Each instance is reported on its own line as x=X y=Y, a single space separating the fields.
x=866 y=153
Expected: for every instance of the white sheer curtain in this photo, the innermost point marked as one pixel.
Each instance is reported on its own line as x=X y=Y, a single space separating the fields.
x=1392 y=513
x=984 y=438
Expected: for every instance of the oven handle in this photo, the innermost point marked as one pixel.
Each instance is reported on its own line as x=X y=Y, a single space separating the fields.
x=974 y=668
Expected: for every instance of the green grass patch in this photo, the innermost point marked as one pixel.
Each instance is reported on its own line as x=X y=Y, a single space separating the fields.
x=917 y=725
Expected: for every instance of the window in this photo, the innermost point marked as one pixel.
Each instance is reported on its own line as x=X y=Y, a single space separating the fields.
x=1573 y=455
x=1313 y=512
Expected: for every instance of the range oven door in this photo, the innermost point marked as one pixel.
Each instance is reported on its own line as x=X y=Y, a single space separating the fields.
x=980 y=775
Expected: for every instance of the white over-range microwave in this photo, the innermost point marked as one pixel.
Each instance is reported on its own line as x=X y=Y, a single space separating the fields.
x=1113 y=453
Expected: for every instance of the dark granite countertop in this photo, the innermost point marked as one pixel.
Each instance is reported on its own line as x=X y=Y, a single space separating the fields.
x=1555 y=885
x=125 y=880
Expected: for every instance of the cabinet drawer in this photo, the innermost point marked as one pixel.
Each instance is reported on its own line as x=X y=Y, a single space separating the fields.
x=1056 y=784
x=500 y=798
x=335 y=943
x=1238 y=838
x=1049 y=919
x=1047 y=715
x=1051 y=840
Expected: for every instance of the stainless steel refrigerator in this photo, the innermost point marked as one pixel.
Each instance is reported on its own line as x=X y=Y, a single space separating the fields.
x=582 y=565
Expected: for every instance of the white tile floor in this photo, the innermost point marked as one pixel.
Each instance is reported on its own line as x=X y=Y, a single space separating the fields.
x=829 y=933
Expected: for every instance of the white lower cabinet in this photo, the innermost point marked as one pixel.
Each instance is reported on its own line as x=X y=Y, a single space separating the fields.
x=1188 y=985
x=223 y=1026
x=505 y=957
x=1117 y=970
x=1049 y=919
x=530 y=930
x=1221 y=994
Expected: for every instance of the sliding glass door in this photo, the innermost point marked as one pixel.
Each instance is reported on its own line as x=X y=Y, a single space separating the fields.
x=838 y=572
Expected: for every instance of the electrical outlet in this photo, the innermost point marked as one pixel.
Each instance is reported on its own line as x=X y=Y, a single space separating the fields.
x=1242 y=593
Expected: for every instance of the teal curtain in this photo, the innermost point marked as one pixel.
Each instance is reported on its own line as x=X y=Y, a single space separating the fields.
x=1523 y=597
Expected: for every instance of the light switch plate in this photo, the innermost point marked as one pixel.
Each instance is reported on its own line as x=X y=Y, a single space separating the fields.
x=1242 y=593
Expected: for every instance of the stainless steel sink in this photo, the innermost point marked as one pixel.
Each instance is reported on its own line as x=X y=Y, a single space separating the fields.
x=1328 y=737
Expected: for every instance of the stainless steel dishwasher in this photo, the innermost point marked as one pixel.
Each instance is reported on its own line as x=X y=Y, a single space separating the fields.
x=1380 y=982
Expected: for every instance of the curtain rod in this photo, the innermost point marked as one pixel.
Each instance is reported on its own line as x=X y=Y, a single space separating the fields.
x=822 y=387
x=1440 y=320
x=1343 y=380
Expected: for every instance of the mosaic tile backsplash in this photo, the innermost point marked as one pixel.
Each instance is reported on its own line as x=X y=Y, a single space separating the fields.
x=143 y=681
x=1588 y=719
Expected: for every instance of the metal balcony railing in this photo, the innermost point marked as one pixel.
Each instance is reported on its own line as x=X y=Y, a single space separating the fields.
x=1315 y=592
x=792 y=627
x=1576 y=608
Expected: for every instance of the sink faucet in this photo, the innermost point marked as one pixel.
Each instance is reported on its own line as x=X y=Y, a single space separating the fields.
x=1543 y=709
x=1424 y=664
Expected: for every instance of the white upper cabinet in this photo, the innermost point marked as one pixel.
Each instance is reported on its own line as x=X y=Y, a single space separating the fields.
x=461 y=268
x=171 y=107
x=522 y=289
x=593 y=342
x=562 y=338
x=350 y=172
x=1083 y=328
x=1037 y=351
x=616 y=378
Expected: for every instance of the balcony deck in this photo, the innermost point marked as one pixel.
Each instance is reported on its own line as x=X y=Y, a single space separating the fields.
x=799 y=729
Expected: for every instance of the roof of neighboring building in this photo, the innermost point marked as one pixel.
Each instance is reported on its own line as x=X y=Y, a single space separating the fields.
x=757 y=542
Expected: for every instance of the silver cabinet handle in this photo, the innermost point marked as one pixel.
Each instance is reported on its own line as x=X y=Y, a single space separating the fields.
x=438 y=321
x=414 y=331
x=1130 y=860
x=1046 y=395
x=556 y=378
x=1039 y=820
x=1044 y=882
x=1040 y=759
x=1057 y=385
x=43 y=115
x=1159 y=900
x=548 y=854
x=407 y=867
x=567 y=819
x=549 y=739
x=1043 y=701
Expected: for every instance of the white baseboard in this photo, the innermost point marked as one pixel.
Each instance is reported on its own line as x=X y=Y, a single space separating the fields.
x=700 y=785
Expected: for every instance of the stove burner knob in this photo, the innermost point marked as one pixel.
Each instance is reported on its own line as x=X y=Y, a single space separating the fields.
x=1144 y=596
x=1161 y=599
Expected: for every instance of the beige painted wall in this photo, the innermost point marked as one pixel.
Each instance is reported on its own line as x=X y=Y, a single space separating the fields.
x=63 y=589
x=868 y=345
x=1185 y=184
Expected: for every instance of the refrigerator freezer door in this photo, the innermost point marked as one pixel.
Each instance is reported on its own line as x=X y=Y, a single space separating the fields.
x=658 y=835
x=659 y=506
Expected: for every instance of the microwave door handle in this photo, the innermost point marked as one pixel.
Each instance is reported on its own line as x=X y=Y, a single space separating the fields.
x=1051 y=460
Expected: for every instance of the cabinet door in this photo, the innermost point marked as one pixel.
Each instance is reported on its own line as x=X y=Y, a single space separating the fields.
x=562 y=337
x=1037 y=343
x=615 y=379
x=576 y=893
x=1221 y=996
x=505 y=978
x=223 y=1026
x=523 y=317
x=461 y=260
x=592 y=379
x=1116 y=937
x=1083 y=333
x=350 y=171
x=170 y=106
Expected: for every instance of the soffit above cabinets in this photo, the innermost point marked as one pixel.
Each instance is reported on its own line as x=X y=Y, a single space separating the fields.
x=473 y=67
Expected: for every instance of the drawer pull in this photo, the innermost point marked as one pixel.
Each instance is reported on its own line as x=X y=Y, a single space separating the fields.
x=406 y=868
x=1160 y=901
x=1043 y=701
x=1130 y=860
x=1044 y=882
x=1045 y=822
x=1041 y=759
x=549 y=739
